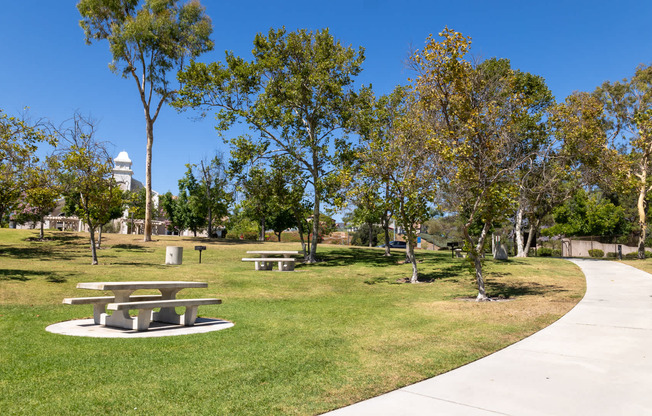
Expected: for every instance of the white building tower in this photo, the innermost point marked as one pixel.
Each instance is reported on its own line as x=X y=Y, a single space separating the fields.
x=122 y=171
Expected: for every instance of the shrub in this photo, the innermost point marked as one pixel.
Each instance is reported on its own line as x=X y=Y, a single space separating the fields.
x=544 y=252
x=556 y=252
x=361 y=237
x=631 y=256
x=597 y=253
x=612 y=255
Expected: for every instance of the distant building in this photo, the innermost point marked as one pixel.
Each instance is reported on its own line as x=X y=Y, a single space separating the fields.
x=123 y=175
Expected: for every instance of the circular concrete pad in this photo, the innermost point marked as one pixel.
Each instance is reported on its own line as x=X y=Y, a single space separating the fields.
x=88 y=328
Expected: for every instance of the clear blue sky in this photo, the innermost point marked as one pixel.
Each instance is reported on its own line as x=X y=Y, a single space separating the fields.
x=574 y=45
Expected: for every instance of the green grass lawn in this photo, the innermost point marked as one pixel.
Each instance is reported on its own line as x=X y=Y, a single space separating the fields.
x=322 y=337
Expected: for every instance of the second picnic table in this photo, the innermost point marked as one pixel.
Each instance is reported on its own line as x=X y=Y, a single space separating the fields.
x=122 y=301
x=266 y=262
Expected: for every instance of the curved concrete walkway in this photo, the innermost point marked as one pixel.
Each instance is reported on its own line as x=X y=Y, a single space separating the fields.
x=596 y=360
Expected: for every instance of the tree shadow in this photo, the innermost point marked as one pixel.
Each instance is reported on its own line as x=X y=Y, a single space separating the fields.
x=41 y=253
x=132 y=247
x=26 y=275
x=513 y=289
x=139 y=264
x=365 y=256
x=65 y=238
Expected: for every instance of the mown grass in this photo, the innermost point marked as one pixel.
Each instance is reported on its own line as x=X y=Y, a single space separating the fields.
x=325 y=336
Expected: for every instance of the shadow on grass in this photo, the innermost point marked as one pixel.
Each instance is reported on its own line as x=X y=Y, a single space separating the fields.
x=41 y=253
x=139 y=264
x=132 y=247
x=513 y=289
x=26 y=275
x=364 y=256
x=64 y=238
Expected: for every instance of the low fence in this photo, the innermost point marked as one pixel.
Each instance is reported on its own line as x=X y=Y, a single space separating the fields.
x=580 y=248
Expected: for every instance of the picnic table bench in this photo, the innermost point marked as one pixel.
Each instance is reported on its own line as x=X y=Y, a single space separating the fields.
x=123 y=301
x=285 y=263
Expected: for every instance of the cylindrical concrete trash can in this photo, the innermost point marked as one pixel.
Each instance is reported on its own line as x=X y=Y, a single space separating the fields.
x=173 y=255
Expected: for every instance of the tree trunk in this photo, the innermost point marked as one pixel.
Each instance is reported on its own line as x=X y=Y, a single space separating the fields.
x=298 y=219
x=262 y=230
x=93 y=249
x=642 y=205
x=41 y=234
x=413 y=260
x=210 y=222
x=148 y=178
x=315 y=229
x=533 y=228
x=371 y=234
x=477 y=262
x=518 y=232
x=475 y=255
x=386 y=228
x=99 y=238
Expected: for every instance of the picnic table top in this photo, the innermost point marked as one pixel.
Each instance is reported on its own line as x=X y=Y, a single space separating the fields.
x=140 y=285
x=272 y=252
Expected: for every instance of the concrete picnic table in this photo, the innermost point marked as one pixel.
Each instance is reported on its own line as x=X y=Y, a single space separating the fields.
x=122 y=301
x=285 y=264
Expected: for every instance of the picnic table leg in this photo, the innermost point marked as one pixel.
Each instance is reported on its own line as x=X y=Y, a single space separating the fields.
x=190 y=316
x=120 y=319
x=144 y=319
x=98 y=310
x=168 y=315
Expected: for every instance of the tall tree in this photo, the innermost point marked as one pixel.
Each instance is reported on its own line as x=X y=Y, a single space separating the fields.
x=42 y=190
x=191 y=205
x=19 y=140
x=404 y=156
x=214 y=183
x=86 y=179
x=92 y=194
x=374 y=121
x=148 y=44
x=628 y=107
x=473 y=112
x=296 y=94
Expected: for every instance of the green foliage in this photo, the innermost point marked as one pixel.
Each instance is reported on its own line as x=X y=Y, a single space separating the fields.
x=92 y=194
x=612 y=255
x=481 y=120
x=588 y=214
x=215 y=194
x=19 y=140
x=396 y=155
x=191 y=204
x=361 y=237
x=41 y=193
x=597 y=253
x=136 y=202
x=281 y=220
x=296 y=95
x=544 y=252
